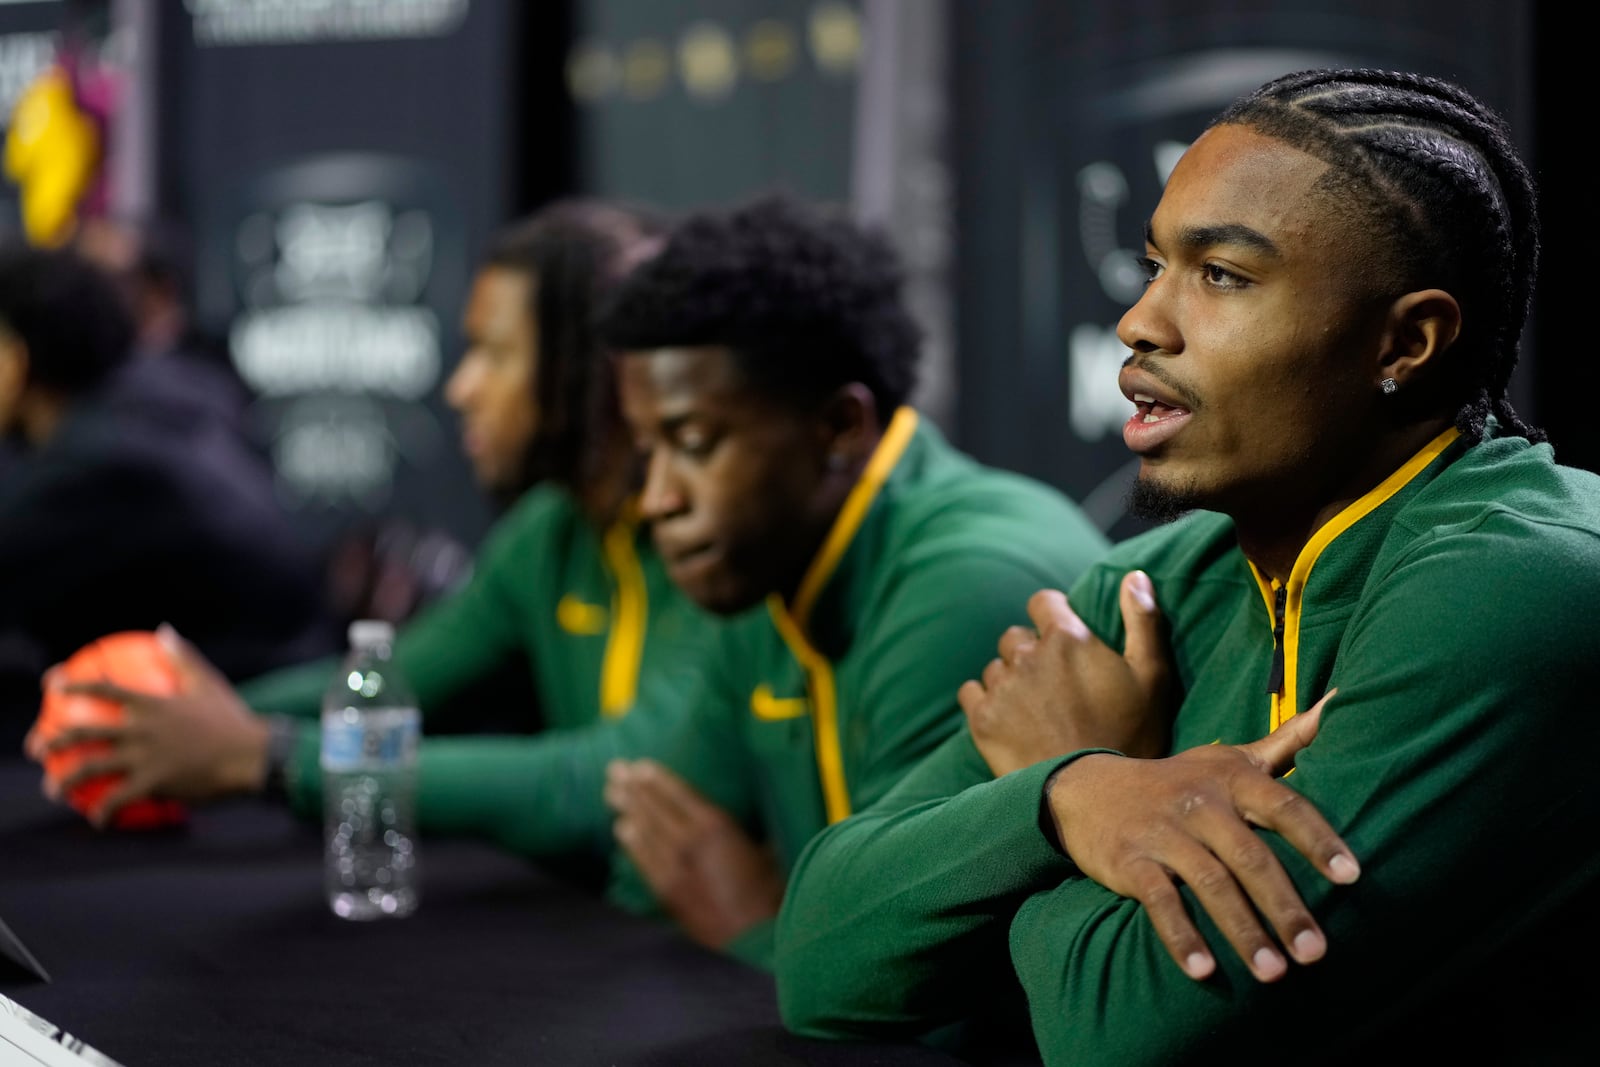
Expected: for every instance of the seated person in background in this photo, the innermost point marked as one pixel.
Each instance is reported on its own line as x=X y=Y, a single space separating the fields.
x=765 y=360
x=151 y=262
x=380 y=566
x=132 y=499
x=1339 y=272
x=566 y=587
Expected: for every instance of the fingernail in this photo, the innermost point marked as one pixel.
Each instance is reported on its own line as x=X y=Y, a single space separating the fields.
x=1268 y=964
x=1143 y=592
x=1309 y=946
x=1197 y=965
x=1343 y=868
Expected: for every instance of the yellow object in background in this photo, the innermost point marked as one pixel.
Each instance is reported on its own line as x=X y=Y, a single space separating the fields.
x=52 y=152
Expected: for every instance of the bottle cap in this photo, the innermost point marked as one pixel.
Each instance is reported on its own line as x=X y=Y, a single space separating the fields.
x=367 y=633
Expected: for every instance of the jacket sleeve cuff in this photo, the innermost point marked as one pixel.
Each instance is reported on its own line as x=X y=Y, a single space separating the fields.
x=302 y=771
x=754 y=946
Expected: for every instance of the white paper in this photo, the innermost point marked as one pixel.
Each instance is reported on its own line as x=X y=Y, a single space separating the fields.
x=26 y=1040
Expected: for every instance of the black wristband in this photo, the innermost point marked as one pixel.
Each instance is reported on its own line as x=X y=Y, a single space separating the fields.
x=283 y=732
x=1047 y=818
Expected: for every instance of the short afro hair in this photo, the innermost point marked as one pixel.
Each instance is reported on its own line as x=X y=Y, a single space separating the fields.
x=805 y=298
x=67 y=312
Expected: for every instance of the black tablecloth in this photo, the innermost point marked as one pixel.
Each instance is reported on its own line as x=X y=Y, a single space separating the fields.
x=211 y=945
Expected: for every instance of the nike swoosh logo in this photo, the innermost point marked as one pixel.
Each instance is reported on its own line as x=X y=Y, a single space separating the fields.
x=578 y=617
x=767 y=707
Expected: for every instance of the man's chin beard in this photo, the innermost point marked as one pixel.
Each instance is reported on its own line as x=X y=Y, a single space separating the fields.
x=1154 y=502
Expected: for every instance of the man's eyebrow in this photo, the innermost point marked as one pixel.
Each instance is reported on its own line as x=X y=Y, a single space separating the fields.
x=1233 y=233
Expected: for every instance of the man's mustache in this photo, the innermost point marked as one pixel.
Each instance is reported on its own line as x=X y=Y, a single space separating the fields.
x=1152 y=369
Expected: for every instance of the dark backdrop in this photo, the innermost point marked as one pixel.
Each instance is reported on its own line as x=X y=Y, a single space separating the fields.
x=1068 y=118
x=341 y=177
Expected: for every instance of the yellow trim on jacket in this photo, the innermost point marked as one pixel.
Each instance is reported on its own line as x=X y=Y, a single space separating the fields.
x=890 y=447
x=630 y=608
x=1284 y=704
x=824 y=711
x=791 y=620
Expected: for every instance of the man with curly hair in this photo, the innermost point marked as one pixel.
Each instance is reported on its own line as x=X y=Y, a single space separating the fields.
x=765 y=361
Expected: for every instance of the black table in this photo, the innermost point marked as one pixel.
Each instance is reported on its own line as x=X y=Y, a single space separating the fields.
x=211 y=945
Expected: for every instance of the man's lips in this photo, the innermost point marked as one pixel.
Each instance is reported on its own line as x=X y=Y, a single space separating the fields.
x=1152 y=426
x=1152 y=409
x=686 y=555
x=1158 y=415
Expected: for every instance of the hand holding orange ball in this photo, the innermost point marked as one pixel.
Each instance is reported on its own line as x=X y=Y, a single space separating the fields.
x=135 y=660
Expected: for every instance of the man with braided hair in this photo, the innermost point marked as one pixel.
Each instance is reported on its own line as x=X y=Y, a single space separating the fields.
x=1384 y=572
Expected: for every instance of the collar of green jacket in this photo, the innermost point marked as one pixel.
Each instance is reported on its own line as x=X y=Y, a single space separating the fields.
x=826 y=602
x=1360 y=529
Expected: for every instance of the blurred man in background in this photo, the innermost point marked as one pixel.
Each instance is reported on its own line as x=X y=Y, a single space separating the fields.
x=152 y=263
x=133 y=499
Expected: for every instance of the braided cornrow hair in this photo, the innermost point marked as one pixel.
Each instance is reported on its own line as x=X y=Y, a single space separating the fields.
x=1434 y=172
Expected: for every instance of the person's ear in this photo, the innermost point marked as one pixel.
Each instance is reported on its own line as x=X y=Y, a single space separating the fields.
x=13 y=373
x=848 y=426
x=1421 y=326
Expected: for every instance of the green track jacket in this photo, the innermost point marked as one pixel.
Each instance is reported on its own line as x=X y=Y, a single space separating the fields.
x=813 y=709
x=607 y=639
x=1452 y=607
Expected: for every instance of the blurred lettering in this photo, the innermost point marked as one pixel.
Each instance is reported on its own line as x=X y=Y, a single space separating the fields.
x=1097 y=405
x=241 y=22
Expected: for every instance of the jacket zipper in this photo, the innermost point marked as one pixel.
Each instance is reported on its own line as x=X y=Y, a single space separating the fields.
x=1280 y=597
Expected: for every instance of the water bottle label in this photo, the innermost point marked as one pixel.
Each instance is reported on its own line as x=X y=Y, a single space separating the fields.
x=359 y=743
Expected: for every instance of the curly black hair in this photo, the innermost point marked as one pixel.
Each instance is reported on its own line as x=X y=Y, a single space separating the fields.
x=67 y=312
x=1434 y=175
x=806 y=299
x=575 y=250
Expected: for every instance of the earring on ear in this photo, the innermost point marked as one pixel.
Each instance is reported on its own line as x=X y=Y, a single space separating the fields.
x=1388 y=386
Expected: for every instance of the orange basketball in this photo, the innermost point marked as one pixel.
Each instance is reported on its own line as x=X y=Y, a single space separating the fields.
x=133 y=659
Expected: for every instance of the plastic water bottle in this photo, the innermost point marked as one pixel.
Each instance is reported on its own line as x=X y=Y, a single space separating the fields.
x=370 y=729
